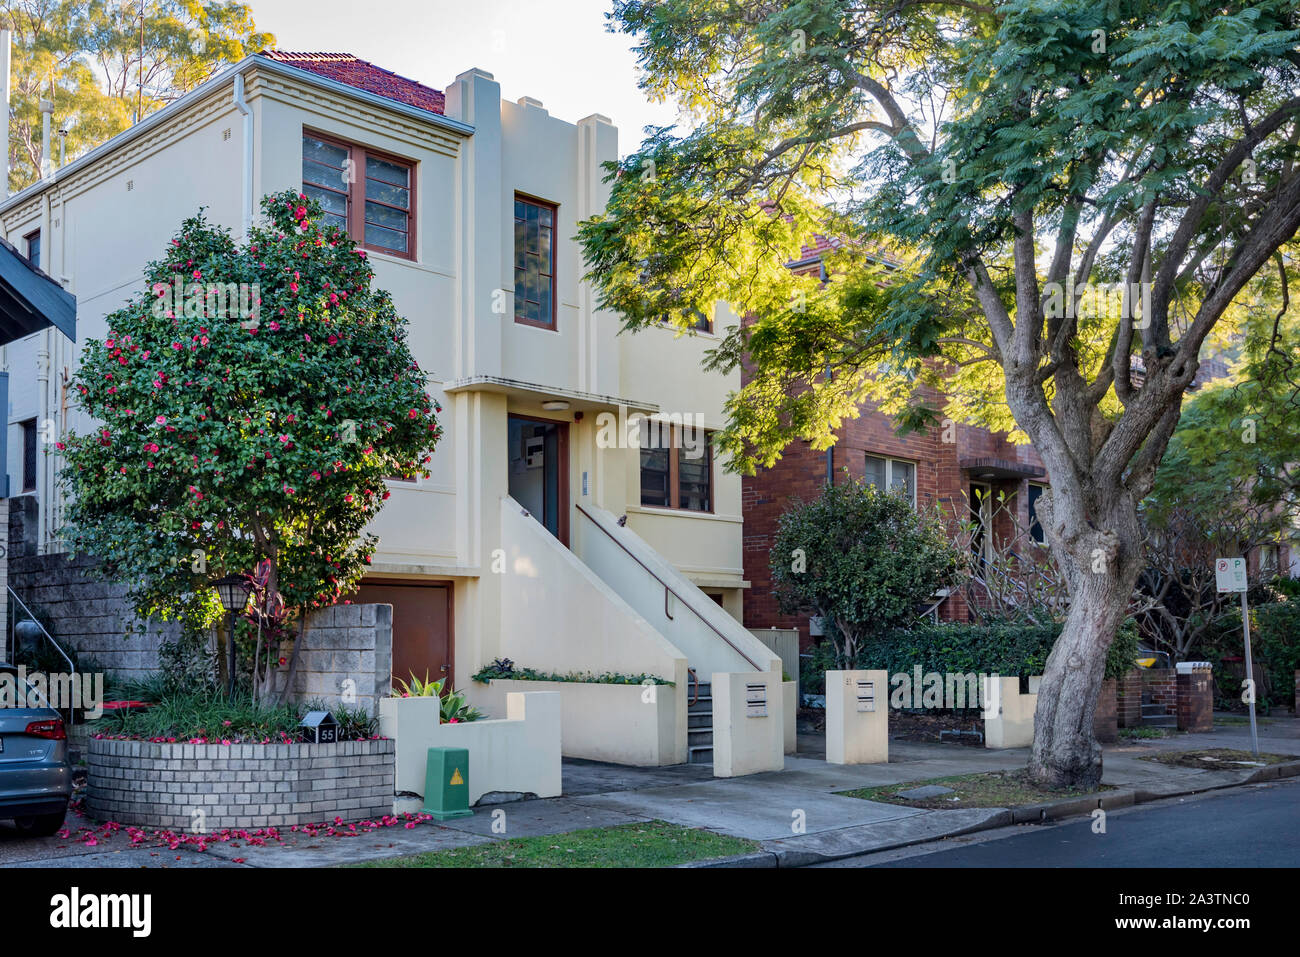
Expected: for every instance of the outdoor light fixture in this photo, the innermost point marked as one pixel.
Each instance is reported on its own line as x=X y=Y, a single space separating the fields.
x=233 y=591
x=556 y=405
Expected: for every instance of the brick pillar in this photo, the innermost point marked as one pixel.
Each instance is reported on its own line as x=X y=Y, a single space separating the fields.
x=1105 y=723
x=1128 y=703
x=1195 y=701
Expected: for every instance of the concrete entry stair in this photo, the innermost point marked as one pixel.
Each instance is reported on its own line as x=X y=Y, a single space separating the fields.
x=699 y=723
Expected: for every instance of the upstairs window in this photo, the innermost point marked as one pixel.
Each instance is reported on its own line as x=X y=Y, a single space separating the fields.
x=535 y=262
x=33 y=241
x=367 y=194
x=893 y=475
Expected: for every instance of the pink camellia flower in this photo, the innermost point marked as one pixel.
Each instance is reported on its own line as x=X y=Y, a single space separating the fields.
x=197 y=274
x=346 y=498
x=334 y=299
x=293 y=287
x=160 y=420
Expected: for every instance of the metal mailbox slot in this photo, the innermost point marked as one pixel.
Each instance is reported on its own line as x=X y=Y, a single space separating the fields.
x=866 y=696
x=756 y=701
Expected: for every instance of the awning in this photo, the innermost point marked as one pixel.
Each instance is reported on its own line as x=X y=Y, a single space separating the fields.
x=993 y=468
x=534 y=392
x=30 y=300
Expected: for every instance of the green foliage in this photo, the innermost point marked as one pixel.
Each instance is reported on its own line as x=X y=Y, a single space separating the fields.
x=207 y=715
x=505 y=668
x=861 y=558
x=355 y=723
x=453 y=706
x=1003 y=649
x=237 y=428
x=1275 y=649
x=85 y=56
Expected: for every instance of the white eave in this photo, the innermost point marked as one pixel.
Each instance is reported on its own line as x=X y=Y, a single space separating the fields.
x=532 y=390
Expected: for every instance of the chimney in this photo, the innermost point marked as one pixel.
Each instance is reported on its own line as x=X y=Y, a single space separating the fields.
x=4 y=107
x=47 y=111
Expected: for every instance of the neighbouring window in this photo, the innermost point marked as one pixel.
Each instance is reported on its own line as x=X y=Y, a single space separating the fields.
x=369 y=195
x=892 y=474
x=535 y=262
x=702 y=323
x=33 y=240
x=1268 y=562
x=676 y=467
x=29 y=455
x=1035 y=526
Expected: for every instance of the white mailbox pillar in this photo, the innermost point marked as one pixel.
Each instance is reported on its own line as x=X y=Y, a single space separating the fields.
x=857 y=717
x=748 y=727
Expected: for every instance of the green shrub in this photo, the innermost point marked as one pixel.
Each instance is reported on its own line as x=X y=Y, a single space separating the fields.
x=505 y=668
x=1275 y=648
x=208 y=715
x=1003 y=649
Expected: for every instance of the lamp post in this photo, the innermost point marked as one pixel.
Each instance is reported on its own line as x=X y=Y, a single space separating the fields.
x=233 y=591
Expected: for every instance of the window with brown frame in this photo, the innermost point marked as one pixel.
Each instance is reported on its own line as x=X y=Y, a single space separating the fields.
x=33 y=241
x=676 y=467
x=368 y=194
x=535 y=262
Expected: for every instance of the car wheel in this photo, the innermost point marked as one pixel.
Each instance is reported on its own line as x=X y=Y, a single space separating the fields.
x=41 y=825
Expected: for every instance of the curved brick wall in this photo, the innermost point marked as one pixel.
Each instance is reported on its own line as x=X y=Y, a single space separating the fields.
x=238 y=785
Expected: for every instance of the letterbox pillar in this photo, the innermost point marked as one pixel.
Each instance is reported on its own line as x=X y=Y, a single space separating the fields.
x=857 y=717
x=446 y=784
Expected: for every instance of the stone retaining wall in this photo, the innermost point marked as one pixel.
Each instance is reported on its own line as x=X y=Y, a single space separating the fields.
x=210 y=787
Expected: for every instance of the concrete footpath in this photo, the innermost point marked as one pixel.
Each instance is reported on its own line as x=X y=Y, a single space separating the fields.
x=794 y=814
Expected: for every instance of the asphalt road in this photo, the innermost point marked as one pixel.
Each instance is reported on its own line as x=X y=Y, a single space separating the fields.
x=1253 y=826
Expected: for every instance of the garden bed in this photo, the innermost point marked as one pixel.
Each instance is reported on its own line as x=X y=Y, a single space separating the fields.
x=209 y=787
x=987 y=789
x=1218 y=759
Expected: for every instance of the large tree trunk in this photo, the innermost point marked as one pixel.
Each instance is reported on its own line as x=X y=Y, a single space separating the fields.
x=1101 y=568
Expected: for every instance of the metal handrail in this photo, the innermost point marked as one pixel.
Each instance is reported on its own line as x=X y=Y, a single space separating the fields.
x=695 y=693
x=668 y=588
x=72 y=669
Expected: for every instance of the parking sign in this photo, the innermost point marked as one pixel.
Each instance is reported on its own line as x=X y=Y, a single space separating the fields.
x=1230 y=574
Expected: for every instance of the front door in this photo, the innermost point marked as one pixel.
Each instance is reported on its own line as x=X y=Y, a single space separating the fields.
x=422 y=626
x=538 y=465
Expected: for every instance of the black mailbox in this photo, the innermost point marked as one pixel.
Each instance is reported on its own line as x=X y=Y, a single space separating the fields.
x=320 y=727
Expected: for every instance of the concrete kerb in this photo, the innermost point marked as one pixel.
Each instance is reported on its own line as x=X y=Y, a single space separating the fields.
x=999 y=817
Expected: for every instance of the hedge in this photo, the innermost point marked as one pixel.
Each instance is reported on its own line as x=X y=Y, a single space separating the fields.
x=1274 y=645
x=1003 y=649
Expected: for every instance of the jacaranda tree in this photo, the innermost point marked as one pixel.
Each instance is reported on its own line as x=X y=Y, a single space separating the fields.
x=247 y=405
x=985 y=171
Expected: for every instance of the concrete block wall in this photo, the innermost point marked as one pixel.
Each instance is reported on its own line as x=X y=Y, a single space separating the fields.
x=346 y=656
x=211 y=787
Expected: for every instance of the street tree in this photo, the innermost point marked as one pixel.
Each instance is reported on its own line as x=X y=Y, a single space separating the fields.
x=1045 y=207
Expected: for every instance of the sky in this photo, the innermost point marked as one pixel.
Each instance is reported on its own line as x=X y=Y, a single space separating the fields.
x=556 y=51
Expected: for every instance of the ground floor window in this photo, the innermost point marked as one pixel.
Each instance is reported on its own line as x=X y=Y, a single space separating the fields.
x=892 y=474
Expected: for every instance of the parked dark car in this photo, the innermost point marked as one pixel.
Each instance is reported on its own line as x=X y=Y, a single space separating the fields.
x=35 y=777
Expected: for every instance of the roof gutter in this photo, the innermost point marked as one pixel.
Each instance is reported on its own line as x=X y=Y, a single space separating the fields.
x=253 y=61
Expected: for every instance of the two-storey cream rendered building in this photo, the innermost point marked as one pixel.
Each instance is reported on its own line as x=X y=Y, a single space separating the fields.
x=544 y=533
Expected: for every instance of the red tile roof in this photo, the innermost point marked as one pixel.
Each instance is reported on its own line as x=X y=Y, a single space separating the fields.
x=345 y=68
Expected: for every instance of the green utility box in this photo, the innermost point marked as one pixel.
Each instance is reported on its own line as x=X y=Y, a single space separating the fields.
x=446 y=784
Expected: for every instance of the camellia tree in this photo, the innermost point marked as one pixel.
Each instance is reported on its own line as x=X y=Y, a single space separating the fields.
x=863 y=560
x=247 y=406
x=1045 y=207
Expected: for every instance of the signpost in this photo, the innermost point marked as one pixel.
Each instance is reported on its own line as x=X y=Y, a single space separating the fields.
x=1230 y=576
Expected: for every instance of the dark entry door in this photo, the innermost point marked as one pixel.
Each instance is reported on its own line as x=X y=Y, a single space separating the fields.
x=422 y=626
x=537 y=461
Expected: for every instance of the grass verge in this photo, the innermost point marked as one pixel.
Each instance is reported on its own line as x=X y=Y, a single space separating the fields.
x=652 y=844
x=1217 y=759
x=987 y=789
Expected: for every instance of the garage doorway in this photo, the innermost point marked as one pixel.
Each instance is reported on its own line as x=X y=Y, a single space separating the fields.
x=422 y=626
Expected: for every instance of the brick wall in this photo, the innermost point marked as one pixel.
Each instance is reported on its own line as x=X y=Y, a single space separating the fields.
x=1161 y=684
x=1128 y=703
x=1105 y=721
x=1195 y=706
x=801 y=474
x=179 y=786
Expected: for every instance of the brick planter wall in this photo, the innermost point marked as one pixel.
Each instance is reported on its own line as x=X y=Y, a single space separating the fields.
x=1105 y=722
x=1161 y=685
x=1196 y=701
x=239 y=785
x=1128 y=704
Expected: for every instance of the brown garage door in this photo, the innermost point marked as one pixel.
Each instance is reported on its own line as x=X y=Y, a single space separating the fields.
x=422 y=626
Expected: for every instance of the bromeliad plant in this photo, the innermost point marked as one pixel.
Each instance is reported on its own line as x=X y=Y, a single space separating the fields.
x=452 y=704
x=247 y=406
